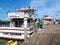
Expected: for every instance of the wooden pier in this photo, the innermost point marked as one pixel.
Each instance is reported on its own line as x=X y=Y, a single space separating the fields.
x=49 y=35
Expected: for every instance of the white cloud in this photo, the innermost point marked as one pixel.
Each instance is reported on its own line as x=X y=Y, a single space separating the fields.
x=37 y=3
x=43 y=6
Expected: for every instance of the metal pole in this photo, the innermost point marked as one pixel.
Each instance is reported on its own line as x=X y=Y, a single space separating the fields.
x=25 y=28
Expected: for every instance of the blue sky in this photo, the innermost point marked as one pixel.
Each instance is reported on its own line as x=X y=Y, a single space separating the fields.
x=41 y=6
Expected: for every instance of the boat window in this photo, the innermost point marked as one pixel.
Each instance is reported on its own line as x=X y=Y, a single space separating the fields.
x=30 y=22
x=5 y=33
x=18 y=22
x=15 y=34
x=4 y=24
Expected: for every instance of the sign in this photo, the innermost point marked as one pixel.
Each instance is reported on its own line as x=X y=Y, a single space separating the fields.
x=16 y=15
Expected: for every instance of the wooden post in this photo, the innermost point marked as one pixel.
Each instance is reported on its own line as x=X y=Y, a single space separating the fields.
x=34 y=25
x=25 y=28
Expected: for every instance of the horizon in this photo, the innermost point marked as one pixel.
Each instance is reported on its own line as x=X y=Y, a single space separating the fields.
x=41 y=6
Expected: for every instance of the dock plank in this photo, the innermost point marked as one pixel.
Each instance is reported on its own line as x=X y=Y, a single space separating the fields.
x=48 y=36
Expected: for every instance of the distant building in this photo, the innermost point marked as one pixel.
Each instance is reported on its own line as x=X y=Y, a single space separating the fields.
x=47 y=19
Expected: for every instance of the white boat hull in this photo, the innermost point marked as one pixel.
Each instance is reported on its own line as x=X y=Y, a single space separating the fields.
x=13 y=33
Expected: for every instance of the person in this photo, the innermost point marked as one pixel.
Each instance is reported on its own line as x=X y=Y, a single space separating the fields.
x=59 y=22
x=41 y=25
x=54 y=22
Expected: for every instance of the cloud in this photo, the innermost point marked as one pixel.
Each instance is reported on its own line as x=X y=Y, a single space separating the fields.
x=43 y=6
x=37 y=3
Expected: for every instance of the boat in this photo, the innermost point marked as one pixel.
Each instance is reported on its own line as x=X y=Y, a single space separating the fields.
x=16 y=25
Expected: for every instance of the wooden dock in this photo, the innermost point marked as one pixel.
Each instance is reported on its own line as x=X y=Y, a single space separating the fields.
x=49 y=35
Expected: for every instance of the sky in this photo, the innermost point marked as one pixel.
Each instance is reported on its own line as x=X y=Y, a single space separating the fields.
x=51 y=7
